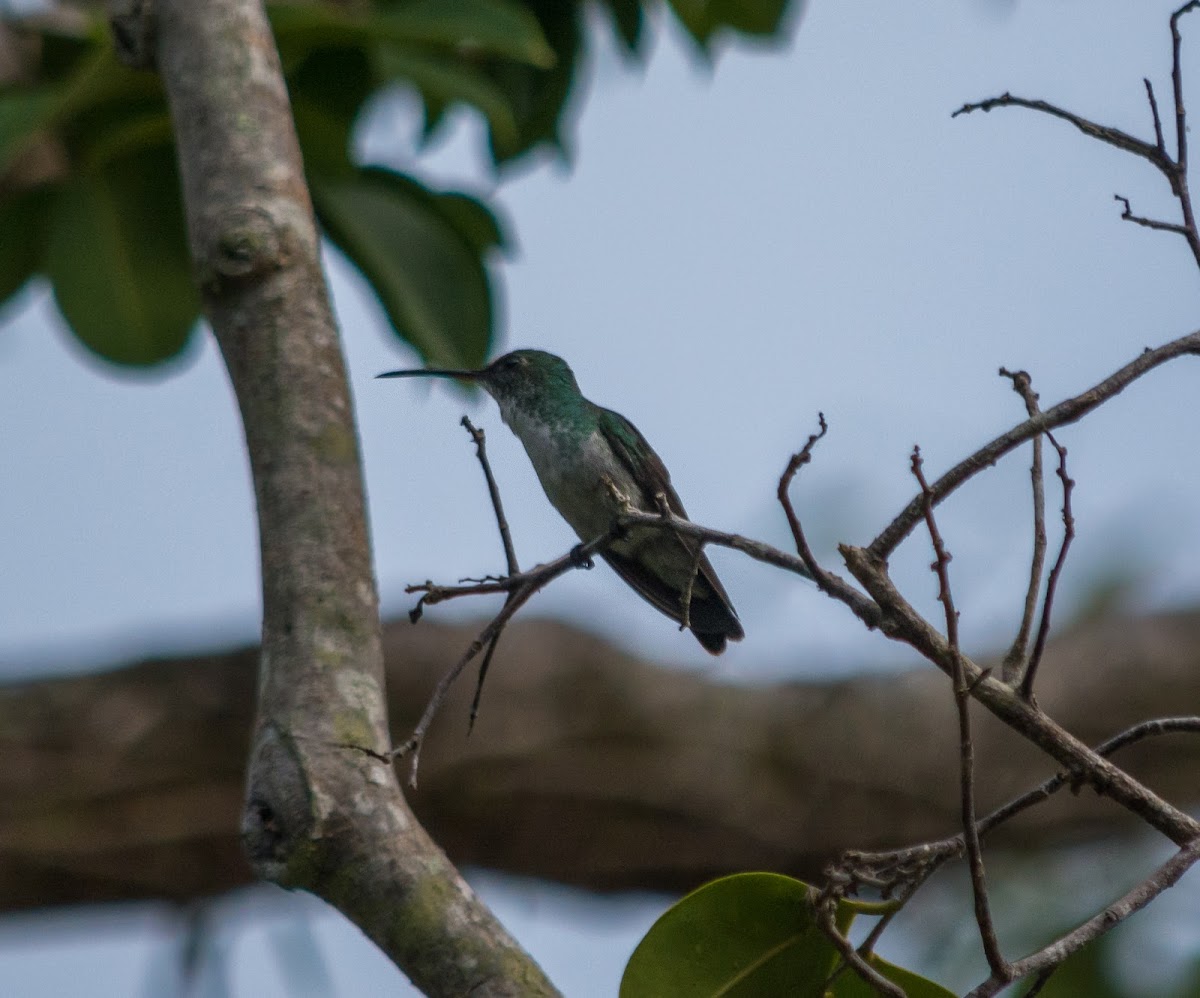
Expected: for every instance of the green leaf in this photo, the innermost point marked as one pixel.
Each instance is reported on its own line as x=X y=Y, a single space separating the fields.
x=23 y=221
x=497 y=28
x=538 y=97
x=430 y=280
x=704 y=18
x=627 y=18
x=443 y=81
x=64 y=49
x=493 y=27
x=327 y=89
x=96 y=98
x=301 y=29
x=134 y=131
x=24 y=113
x=474 y=220
x=754 y=935
x=751 y=934
x=334 y=60
x=752 y=17
x=1087 y=972
x=850 y=985
x=116 y=255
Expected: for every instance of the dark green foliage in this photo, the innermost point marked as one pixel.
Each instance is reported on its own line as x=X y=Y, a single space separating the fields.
x=108 y=233
x=23 y=219
x=704 y=19
x=426 y=271
x=116 y=255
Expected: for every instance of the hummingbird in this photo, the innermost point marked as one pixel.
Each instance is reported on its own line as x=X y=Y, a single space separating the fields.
x=594 y=465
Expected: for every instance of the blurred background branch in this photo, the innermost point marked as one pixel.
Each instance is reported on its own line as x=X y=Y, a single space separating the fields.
x=602 y=770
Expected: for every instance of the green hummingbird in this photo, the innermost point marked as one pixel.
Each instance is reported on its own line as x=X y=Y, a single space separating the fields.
x=593 y=464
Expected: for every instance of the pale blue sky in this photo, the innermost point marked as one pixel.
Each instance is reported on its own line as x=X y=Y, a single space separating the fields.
x=801 y=230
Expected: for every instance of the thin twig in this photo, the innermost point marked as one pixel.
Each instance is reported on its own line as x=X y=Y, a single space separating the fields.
x=1039 y=645
x=1013 y=664
x=1179 y=183
x=480 y=440
x=825 y=919
x=900 y=621
x=1110 y=136
x=480 y=676
x=1040 y=982
x=1148 y=223
x=1068 y=411
x=510 y=557
x=862 y=607
x=1158 y=129
x=867 y=946
x=412 y=747
x=520 y=589
x=966 y=748
x=884 y=870
x=1181 y=147
x=1164 y=877
x=795 y=463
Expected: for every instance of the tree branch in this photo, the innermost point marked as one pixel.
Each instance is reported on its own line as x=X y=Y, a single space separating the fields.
x=1069 y=411
x=966 y=748
x=322 y=811
x=1050 y=956
x=1014 y=662
x=1039 y=644
x=127 y=784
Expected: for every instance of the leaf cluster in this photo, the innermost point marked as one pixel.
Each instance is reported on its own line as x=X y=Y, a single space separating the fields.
x=89 y=188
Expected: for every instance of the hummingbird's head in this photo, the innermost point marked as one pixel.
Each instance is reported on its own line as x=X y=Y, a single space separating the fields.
x=522 y=379
x=524 y=375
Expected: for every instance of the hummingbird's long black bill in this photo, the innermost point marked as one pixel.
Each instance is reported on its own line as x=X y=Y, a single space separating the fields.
x=432 y=372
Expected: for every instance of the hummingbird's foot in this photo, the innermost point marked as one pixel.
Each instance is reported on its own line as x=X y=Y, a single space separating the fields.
x=579 y=559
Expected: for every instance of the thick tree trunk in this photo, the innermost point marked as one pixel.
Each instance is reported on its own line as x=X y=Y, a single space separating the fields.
x=322 y=808
x=587 y=765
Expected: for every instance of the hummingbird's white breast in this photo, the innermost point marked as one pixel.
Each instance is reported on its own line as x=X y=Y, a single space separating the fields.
x=577 y=473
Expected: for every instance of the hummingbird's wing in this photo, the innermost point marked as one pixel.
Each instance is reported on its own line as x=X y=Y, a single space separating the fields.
x=633 y=450
x=711 y=615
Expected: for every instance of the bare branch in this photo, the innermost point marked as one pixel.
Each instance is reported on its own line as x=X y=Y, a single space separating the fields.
x=480 y=440
x=520 y=589
x=1158 y=129
x=825 y=919
x=795 y=463
x=510 y=557
x=962 y=703
x=1149 y=223
x=1039 y=645
x=901 y=622
x=1181 y=149
x=913 y=865
x=834 y=585
x=1068 y=411
x=1164 y=877
x=1110 y=136
x=1014 y=662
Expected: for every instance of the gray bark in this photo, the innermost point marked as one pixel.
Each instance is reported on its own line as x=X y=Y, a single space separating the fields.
x=323 y=810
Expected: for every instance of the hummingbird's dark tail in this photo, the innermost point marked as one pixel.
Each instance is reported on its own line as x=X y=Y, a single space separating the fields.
x=714 y=643
x=711 y=616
